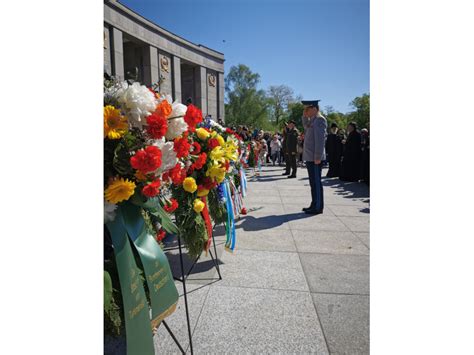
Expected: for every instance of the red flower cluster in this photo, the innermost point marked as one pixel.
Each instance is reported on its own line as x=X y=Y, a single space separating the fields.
x=200 y=161
x=196 y=148
x=212 y=143
x=192 y=117
x=147 y=160
x=181 y=146
x=152 y=189
x=207 y=183
x=170 y=208
x=157 y=125
x=160 y=235
x=177 y=174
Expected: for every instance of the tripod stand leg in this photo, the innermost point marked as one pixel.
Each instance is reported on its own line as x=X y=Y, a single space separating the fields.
x=185 y=296
x=174 y=338
x=216 y=262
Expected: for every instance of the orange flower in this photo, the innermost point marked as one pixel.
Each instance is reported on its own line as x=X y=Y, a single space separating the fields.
x=164 y=108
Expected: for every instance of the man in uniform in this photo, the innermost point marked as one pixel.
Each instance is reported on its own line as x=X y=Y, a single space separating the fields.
x=315 y=126
x=291 y=143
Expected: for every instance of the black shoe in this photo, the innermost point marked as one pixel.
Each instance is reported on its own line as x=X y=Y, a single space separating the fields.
x=307 y=208
x=292 y=177
x=285 y=174
x=314 y=212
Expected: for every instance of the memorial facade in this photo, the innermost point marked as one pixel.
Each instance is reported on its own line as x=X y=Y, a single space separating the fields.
x=135 y=47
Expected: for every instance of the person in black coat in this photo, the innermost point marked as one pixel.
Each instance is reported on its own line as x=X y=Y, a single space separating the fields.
x=333 y=151
x=365 y=156
x=351 y=155
x=291 y=148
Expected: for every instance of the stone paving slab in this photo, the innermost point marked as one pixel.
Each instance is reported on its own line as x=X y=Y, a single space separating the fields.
x=296 y=208
x=348 y=211
x=356 y=224
x=263 y=269
x=258 y=321
x=327 y=242
x=267 y=240
x=345 y=319
x=326 y=273
x=364 y=237
x=318 y=222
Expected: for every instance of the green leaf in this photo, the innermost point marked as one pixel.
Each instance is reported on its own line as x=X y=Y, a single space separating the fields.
x=165 y=220
x=107 y=292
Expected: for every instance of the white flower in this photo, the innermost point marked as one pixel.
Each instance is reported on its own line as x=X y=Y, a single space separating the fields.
x=176 y=127
x=168 y=155
x=216 y=125
x=179 y=110
x=109 y=211
x=138 y=102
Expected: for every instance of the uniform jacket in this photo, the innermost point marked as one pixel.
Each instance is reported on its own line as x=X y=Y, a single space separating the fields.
x=314 y=138
x=291 y=141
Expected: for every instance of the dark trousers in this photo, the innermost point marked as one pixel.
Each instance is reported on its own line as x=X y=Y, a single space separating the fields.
x=314 y=173
x=292 y=164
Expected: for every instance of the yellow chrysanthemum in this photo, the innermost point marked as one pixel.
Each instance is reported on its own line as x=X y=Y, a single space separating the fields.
x=115 y=125
x=217 y=153
x=202 y=192
x=202 y=133
x=198 y=205
x=220 y=140
x=213 y=134
x=119 y=190
x=189 y=184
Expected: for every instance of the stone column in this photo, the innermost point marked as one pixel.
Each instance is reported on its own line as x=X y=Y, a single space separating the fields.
x=220 y=96
x=117 y=54
x=107 y=59
x=150 y=65
x=177 y=78
x=200 y=77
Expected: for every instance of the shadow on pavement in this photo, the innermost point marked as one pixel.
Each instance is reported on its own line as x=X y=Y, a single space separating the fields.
x=251 y=223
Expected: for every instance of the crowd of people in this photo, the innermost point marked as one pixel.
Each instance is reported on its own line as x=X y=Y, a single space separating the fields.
x=347 y=150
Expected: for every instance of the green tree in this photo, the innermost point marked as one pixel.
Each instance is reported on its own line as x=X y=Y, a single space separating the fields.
x=246 y=104
x=279 y=97
x=361 y=115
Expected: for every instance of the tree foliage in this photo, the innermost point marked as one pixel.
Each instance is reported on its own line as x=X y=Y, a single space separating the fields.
x=279 y=97
x=246 y=104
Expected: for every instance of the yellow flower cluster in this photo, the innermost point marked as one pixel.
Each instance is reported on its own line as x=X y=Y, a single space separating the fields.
x=202 y=133
x=119 y=190
x=216 y=172
x=198 y=205
x=189 y=185
x=115 y=125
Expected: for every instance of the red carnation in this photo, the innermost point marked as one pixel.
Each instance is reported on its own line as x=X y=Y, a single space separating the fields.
x=196 y=148
x=200 y=161
x=146 y=160
x=208 y=184
x=157 y=125
x=192 y=117
x=228 y=130
x=160 y=235
x=212 y=143
x=177 y=174
x=152 y=189
x=181 y=147
x=170 y=208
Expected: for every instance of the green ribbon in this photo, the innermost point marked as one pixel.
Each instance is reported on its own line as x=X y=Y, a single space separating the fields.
x=129 y=223
x=136 y=312
x=163 y=292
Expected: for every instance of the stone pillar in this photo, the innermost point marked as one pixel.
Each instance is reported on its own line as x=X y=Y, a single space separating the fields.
x=150 y=65
x=200 y=80
x=176 y=78
x=220 y=96
x=117 y=54
x=107 y=57
x=212 y=94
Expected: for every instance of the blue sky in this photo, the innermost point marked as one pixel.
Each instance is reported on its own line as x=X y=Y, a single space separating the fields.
x=320 y=48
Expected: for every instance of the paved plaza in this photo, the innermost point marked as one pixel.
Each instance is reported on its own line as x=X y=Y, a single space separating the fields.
x=296 y=284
